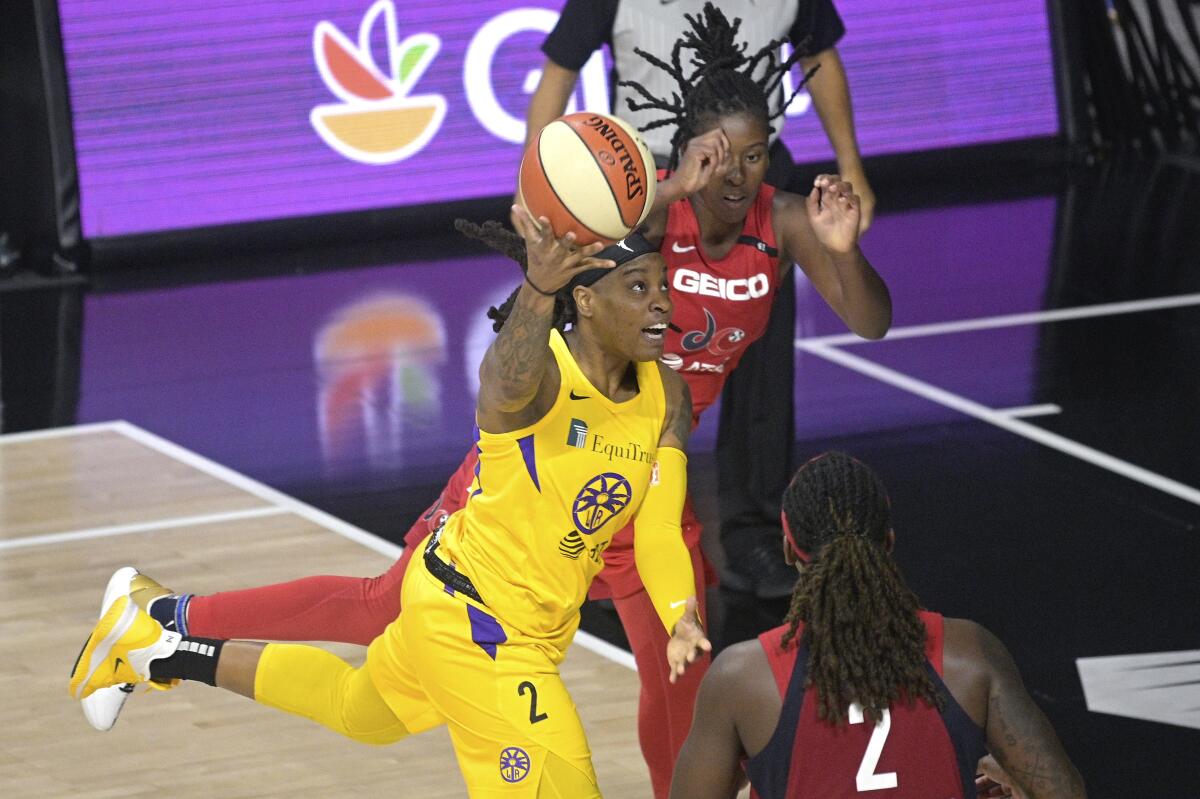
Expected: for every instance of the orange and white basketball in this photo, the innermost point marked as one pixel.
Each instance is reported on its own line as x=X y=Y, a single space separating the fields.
x=588 y=173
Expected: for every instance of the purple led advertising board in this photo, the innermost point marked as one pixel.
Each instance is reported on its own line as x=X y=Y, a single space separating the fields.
x=205 y=112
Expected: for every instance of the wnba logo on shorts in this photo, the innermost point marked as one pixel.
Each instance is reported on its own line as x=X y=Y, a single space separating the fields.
x=514 y=764
x=377 y=122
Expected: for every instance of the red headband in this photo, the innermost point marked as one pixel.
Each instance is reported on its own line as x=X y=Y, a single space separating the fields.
x=802 y=555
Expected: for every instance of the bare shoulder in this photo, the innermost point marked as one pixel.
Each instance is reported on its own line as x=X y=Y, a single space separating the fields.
x=742 y=674
x=789 y=218
x=739 y=672
x=676 y=390
x=674 y=386
x=968 y=657
x=787 y=204
x=972 y=641
x=738 y=662
x=677 y=421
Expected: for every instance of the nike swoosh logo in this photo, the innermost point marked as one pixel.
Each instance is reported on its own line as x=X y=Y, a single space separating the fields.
x=676 y=248
x=575 y=396
x=624 y=246
x=674 y=605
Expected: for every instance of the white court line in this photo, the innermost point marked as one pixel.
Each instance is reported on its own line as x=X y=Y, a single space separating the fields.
x=999 y=419
x=321 y=518
x=58 y=432
x=1013 y=320
x=1027 y=411
x=140 y=527
x=263 y=492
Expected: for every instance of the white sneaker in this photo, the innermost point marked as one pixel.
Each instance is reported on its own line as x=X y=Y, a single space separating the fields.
x=103 y=706
x=120 y=649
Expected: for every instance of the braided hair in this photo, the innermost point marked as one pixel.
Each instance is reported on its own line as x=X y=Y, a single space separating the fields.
x=866 y=641
x=722 y=81
x=512 y=246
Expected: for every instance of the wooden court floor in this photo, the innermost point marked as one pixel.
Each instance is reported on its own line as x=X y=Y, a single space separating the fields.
x=77 y=503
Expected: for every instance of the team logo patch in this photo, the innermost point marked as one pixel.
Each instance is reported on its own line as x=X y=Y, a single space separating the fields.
x=603 y=497
x=577 y=436
x=718 y=342
x=571 y=546
x=514 y=764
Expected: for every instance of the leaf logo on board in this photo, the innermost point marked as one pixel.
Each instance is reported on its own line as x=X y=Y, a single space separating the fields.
x=377 y=120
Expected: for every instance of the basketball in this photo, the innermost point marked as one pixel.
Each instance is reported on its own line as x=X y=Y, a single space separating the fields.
x=590 y=174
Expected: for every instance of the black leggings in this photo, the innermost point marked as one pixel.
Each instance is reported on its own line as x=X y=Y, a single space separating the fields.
x=757 y=431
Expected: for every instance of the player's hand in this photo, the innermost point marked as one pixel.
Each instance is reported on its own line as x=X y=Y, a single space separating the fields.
x=553 y=261
x=699 y=161
x=687 y=642
x=834 y=211
x=858 y=179
x=993 y=781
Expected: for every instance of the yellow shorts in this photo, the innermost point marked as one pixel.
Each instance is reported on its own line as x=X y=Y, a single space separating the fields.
x=515 y=730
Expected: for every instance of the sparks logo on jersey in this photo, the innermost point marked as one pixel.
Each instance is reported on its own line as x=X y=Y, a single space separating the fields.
x=600 y=499
x=706 y=285
x=577 y=436
x=722 y=343
x=377 y=122
x=514 y=764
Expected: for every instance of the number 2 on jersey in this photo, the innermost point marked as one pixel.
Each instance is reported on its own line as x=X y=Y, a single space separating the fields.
x=534 y=716
x=867 y=779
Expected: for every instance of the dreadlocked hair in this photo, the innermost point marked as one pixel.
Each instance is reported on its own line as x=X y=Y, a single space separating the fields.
x=865 y=638
x=511 y=245
x=722 y=80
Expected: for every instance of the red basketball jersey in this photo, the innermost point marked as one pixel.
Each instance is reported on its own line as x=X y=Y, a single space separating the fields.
x=912 y=753
x=721 y=305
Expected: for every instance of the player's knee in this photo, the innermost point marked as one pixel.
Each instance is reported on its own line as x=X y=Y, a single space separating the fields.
x=362 y=714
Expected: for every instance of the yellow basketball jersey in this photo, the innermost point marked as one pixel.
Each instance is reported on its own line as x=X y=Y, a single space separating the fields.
x=547 y=499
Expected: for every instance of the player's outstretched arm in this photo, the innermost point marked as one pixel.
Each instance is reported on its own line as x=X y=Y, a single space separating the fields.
x=820 y=233
x=1018 y=734
x=519 y=364
x=709 y=763
x=663 y=560
x=830 y=93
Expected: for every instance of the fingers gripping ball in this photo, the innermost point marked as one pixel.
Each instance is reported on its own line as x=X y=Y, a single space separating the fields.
x=590 y=174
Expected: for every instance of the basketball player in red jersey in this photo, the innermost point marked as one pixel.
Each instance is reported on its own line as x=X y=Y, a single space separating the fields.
x=861 y=692
x=727 y=239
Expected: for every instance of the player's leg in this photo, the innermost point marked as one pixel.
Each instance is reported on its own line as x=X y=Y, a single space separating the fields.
x=754 y=452
x=664 y=710
x=128 y=646
x=352 y=610
x=346 y=609
x=755 y=438
x=515 y=729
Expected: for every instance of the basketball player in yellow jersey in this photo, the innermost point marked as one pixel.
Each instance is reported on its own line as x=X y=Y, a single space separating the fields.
x=579 y=432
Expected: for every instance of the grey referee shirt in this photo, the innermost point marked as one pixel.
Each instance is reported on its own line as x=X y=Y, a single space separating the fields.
x=655 y=26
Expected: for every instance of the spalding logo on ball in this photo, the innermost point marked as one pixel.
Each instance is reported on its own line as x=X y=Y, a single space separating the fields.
x=588 y=173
